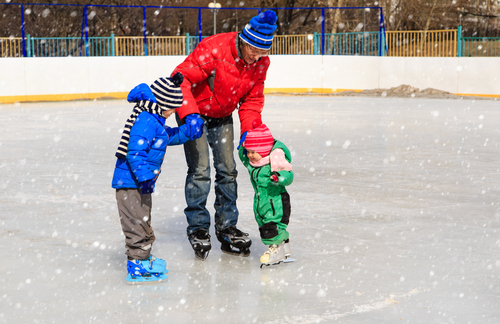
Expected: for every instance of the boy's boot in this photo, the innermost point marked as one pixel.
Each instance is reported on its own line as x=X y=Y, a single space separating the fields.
x=146 y=271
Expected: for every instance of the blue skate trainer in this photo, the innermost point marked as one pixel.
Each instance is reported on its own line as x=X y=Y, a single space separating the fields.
x=151 y=270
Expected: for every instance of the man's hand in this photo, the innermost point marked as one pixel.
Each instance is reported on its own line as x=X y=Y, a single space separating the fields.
x=195 y=125
x=242 y=139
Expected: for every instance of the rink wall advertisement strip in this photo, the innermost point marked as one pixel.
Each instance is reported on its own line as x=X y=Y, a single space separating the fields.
x=79 y=78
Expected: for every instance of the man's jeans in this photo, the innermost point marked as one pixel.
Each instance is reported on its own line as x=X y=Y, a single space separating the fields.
x=219 y=134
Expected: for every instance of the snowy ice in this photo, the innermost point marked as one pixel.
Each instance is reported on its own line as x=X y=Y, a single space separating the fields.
x=395 y=219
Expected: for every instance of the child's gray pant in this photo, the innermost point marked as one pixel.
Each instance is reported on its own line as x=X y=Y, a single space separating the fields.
x=135 y=217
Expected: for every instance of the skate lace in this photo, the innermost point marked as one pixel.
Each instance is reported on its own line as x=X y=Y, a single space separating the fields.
x=272 y=249
x=201 y=235
x=234 y=231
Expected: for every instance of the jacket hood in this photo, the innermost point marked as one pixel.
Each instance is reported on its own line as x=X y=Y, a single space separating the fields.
x=280 y=145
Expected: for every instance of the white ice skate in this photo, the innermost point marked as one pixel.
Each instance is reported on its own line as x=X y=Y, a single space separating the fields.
x=275 y=254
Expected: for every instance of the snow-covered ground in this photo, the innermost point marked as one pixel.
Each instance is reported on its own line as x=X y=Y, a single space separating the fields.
x=395 y=219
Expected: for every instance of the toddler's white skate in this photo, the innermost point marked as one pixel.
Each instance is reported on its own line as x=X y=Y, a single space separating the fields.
x=275 y=254
x=288 y=252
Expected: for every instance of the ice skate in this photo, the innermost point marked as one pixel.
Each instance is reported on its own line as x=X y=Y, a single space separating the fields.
x=288 y=252
x=232 y=237
x=200 y=241
x=274 y=255
x=146 y=271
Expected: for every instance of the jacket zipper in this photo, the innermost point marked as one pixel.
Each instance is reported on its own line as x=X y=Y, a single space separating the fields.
x=255 y=179
x=272 y=206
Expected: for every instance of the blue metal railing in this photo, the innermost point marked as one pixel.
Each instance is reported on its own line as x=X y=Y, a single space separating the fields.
x=85 y=49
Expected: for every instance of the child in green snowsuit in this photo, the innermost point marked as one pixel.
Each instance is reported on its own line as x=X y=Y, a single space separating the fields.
x=268 y=162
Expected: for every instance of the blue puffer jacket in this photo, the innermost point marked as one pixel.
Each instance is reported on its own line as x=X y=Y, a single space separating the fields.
x=148 y=142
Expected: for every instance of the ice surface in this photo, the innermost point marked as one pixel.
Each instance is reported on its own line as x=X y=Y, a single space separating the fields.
x=395 y=219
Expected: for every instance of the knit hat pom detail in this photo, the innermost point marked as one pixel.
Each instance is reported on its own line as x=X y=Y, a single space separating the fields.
x=177 y=79
x=256 y=123
x=268 y=17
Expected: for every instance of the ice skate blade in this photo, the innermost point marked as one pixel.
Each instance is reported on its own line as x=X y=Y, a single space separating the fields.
x=288 y=259
x=236 y=252
x=201 y=255
x=265 y=265
x=146 y=280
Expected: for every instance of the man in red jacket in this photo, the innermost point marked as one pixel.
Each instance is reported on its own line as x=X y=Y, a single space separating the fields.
x=224 y=72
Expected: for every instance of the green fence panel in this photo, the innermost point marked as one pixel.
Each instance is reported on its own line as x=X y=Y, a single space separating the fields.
x=480 y=46
x=192 y=42
x=357 y=43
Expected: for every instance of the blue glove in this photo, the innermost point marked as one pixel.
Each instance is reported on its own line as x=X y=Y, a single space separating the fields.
x=243 y=137
x=147 y=187
x=141 y=92
x=195 y=125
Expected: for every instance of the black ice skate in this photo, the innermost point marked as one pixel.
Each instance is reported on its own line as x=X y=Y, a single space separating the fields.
x=232 y=237
x=200 y=241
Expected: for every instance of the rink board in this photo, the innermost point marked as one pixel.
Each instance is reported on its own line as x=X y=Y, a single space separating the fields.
x=73 y=78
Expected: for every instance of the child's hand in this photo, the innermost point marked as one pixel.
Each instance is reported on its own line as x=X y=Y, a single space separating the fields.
x=274 y=178
x=147 y=187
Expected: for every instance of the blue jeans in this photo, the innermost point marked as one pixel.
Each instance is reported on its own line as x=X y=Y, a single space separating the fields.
x=219 y=135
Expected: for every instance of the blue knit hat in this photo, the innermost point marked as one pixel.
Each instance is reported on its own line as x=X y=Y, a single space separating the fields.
x=259 y=31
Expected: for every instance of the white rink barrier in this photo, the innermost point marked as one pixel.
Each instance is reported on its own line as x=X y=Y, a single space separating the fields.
x=70 y=78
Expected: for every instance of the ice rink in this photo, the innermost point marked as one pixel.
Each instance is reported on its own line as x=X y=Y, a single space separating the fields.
x=395 y=219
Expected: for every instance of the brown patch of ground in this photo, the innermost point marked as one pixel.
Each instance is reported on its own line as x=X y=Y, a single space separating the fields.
x=402 y=91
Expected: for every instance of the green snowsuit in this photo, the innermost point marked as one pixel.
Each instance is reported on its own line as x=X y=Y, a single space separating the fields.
x=271 y=203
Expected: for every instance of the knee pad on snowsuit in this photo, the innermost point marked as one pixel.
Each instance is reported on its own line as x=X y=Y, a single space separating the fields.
x=268 y=230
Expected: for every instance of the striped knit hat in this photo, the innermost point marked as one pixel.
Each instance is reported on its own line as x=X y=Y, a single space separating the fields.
x=259 y=31
x=259 y=139
x=168 y=95
x=167 y=91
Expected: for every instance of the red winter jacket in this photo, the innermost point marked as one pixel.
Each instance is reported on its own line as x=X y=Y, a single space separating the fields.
x=216 y=60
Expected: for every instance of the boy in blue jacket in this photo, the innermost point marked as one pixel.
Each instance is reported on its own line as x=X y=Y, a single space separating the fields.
x=139 y=157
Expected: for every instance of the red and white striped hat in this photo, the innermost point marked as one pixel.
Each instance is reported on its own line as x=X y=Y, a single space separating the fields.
x=259 y=139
